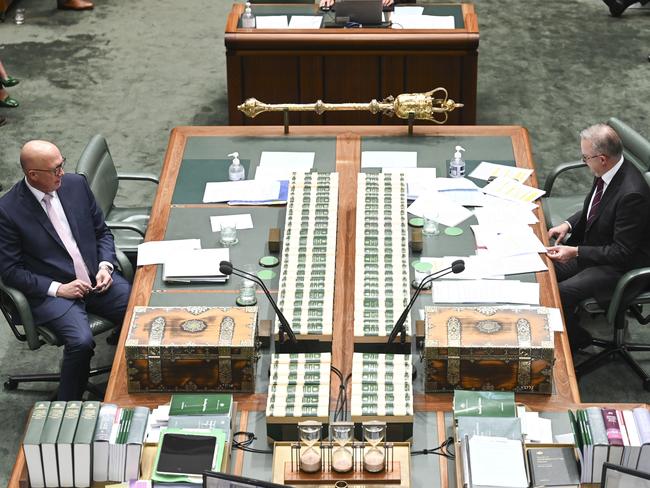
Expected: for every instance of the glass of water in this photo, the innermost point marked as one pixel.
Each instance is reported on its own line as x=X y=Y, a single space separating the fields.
x=229 y=234
x=19 y=17
x=247 y=288
x=431 y=227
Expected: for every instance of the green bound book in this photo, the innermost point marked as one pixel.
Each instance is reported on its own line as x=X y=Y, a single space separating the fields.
x=484 y=403
x=65 y=441
x=201 y=404
x=31 y=444
x=48 y=442
x=83 y=441
x=134 y=441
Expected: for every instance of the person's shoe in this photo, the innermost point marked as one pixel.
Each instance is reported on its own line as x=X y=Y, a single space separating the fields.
x=75 y=5
x=579 y=338
x=617 y=7
x=9 y=82
x=9 y=102
x=3 y=121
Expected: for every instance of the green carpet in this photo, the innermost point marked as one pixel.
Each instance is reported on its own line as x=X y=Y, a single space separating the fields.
x=134 y=70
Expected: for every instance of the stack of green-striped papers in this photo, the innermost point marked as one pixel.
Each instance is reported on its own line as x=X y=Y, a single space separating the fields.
x=299 y=385
x=306 y=294
x=381 y=385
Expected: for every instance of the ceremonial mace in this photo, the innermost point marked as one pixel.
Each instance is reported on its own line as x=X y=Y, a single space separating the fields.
x=433 y=105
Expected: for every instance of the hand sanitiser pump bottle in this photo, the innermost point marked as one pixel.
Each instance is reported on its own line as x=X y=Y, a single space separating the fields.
x=457 y=165
x=236 y=171
x=247 y=18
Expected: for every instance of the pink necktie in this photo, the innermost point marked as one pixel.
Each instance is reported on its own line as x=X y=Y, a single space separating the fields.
x=68 y=242
x=596 y=201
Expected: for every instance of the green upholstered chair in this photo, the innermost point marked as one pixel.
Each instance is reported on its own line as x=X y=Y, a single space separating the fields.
x=557 y=208
x=18 y=314
x=128 y=224
x=632 y=292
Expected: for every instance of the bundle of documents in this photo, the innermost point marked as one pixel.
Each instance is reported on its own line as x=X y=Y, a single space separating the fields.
x=280 y=165
x=485 y=291
x=196 y=266
x=245 y=192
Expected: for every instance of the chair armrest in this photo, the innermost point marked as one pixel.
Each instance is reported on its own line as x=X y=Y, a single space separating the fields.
x=124 y=265
x=139 y=177
x=559 y=169
x=619 y=292
x=15 y=301
x=124 y=226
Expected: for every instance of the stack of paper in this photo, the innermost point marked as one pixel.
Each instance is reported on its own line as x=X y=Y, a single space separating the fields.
x=196 y=266
x=280 y=165
x=157 y=252
x=446 y=211
x=253 y=192
x=512 y=190
x=485 y=291
x=486 y=170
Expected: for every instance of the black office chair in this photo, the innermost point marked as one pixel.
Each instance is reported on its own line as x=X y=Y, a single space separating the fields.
x=18 y=314
x=632 y=292
x=128 y=224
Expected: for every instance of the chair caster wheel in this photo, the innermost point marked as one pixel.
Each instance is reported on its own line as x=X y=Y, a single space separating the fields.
x=10 y=385
x=646 y=384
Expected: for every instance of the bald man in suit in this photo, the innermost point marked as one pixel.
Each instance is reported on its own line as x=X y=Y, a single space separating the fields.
x=608 y=237
x=617 y=7
x=56 y=248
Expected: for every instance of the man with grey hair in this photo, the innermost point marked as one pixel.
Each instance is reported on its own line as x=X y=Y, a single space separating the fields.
x=609 y=236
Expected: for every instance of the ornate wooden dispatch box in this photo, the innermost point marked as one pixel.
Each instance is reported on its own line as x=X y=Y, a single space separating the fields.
x=488 y=348
x=192 y=349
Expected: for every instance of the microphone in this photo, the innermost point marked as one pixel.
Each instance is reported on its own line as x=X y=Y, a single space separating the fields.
x=226 y=267
x=456 y=267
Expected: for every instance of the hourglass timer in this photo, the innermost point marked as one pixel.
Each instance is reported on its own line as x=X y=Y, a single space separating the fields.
x=310 y=436
x=342 y=435
x=374 y=453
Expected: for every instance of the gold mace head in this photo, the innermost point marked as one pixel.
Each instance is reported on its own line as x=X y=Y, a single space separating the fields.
x=433 y=105
x=252 y=107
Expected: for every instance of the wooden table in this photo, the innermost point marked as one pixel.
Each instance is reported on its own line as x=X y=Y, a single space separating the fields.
x=347 y=162
x=349 y=65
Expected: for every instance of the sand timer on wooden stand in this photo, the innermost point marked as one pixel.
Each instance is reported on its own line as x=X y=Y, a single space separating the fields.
x=374 y=452
x=308 y=451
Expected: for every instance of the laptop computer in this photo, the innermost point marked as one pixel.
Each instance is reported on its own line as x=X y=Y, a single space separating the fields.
x=615 y=476
x=364 y=12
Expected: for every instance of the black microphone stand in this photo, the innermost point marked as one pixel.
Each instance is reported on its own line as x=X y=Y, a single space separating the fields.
x=399 y=328
x=285 y=328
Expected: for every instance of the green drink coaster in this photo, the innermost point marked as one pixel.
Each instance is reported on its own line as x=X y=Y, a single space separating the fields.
x=245 y=304
x=453 y=231
x=269 y=261
x=266 y=274
x=422 y=266
x=416 y=222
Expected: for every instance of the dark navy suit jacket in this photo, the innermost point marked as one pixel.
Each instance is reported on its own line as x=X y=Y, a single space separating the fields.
x=31 y=253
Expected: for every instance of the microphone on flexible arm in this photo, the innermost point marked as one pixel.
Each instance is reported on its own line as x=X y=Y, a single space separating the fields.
x=226 y=267
x=456 y=267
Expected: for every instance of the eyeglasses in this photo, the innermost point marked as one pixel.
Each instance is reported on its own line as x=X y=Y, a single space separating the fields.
x=587 y=158
x=56 y=171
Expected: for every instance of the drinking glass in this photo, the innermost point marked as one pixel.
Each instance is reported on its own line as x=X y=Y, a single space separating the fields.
x=229 y=234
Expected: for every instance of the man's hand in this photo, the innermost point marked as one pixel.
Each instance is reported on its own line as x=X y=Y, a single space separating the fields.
x=562 y=254
x=326 y=3
x=104 y=280
x=387 y=3
x=74 y=290
x=559 y=232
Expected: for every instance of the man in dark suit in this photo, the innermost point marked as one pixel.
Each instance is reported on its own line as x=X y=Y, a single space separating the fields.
x=56 y=248
x=609 y=236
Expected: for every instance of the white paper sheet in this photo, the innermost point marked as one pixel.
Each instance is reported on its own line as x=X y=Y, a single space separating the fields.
x=305 y=21
x=503 y=213
x=510 y=189
x=258 y=190
x=448 y=212
x=485 y=291
x=486 y=170
x=408 y=10
x=476 y=267
x=241 y=221
x=294 y=160
x=418 y=180
x=156 y=252
x=402 y=21
x=460 y=190
x=272 y=22
x=512 y=241
x=196 y=265
x=497 y=462
x=389 y=159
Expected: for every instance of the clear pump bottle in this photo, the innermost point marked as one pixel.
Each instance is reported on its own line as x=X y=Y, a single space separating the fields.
x=236 y=171
x=248 y=18
x=457 y=165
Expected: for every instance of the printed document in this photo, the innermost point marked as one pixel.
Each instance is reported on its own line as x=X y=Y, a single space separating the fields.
x=196 y=266
x=389 y=159
x=241 y=221
x=305 y=21
x=157 y=252
x=272 y=22
x=418 y=180
x=486 y=170
x=249 y=190
x=510 y=189
x=485 y=291
x=446 y=211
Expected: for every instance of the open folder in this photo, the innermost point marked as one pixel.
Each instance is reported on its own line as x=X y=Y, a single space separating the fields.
x=196 y=266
